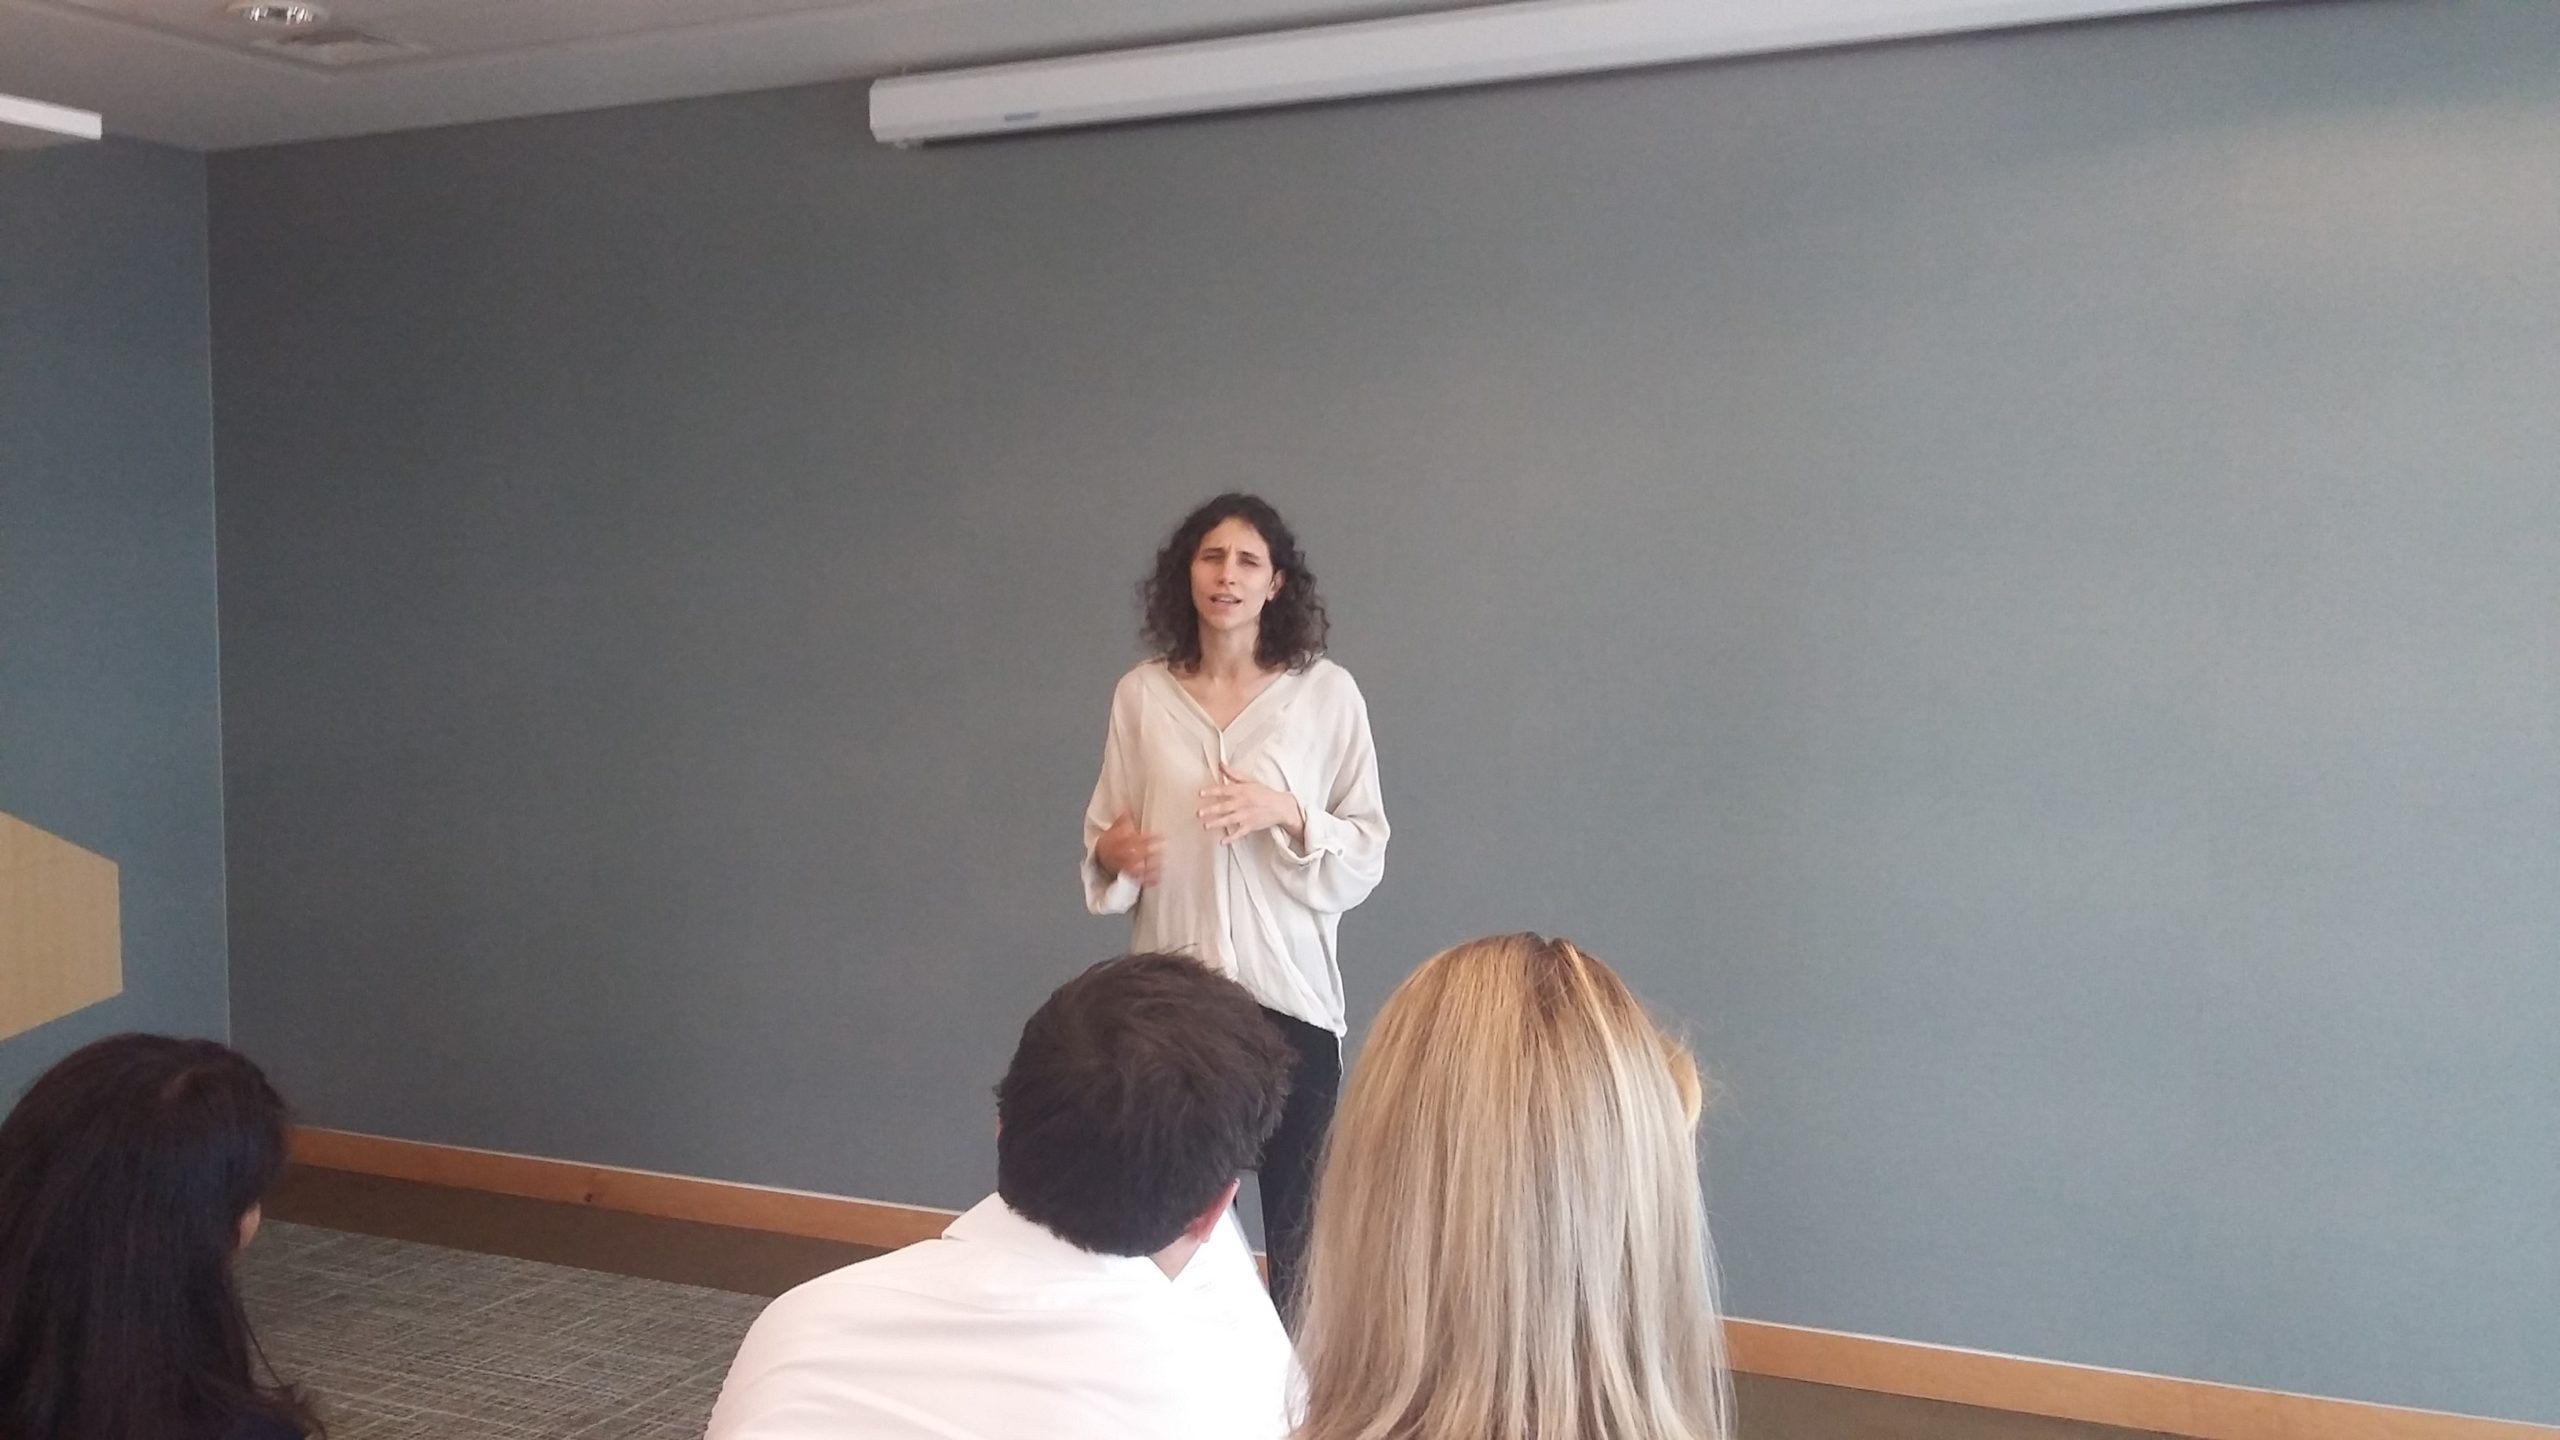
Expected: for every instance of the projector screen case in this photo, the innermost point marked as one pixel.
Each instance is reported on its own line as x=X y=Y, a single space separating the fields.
x=1483 y=45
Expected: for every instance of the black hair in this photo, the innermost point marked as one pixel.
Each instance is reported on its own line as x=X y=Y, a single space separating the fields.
x=1138 y=1091
x=125 y=1171
x=1293 y=624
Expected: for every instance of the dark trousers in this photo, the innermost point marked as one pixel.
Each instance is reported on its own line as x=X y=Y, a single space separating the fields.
x=1287 y=1173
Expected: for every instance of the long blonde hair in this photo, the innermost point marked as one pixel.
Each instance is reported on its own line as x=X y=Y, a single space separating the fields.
x=1509 y=1240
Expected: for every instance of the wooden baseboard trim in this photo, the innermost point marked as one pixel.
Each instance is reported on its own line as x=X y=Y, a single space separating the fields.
x=2196 y=1408
x=2088 y=1393
x=875 y=1223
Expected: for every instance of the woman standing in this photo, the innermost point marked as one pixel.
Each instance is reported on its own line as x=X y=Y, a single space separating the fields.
x=1238 y=811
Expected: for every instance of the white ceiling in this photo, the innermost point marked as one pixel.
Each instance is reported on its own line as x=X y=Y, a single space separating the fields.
x=183 y=72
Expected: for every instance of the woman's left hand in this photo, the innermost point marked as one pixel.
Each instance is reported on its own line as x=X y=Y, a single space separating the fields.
x=1238 y=807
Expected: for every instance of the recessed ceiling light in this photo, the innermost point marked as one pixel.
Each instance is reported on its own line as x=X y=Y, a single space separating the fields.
x=276 y=14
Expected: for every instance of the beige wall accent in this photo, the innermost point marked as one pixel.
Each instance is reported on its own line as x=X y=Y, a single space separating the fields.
x=61 y=935
x=2016 y=1383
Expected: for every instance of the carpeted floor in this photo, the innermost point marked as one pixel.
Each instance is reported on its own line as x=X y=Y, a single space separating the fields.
x=418 y=1331
x=402 y=1341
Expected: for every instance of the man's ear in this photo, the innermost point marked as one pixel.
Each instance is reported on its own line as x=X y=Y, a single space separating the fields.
x=1207 y=1220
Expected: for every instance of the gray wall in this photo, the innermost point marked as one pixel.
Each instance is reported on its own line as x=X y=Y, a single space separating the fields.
x=110 y=725
x=2009 y=584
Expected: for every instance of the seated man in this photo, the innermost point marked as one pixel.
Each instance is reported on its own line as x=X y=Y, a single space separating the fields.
x=1104 y=1292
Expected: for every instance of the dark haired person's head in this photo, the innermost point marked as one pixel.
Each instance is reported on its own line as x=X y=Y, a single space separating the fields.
x=130 y=1173
x=1138 y=1093
x=1175 y=597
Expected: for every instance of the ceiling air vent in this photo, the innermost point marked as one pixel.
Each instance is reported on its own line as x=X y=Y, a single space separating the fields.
x=338 y=46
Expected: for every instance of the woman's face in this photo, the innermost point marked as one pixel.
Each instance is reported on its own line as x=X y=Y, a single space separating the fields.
x=1231 y=576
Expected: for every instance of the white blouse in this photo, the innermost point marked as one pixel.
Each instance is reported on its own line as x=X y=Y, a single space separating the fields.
x=1261 y=909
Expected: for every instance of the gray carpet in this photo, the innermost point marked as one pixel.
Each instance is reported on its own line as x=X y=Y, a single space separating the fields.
x=400 y=1341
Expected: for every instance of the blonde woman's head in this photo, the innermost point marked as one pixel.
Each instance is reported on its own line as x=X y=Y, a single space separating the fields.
x=1509 y=1238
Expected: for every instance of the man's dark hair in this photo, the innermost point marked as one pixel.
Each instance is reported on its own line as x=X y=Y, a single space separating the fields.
x=1138 y=1091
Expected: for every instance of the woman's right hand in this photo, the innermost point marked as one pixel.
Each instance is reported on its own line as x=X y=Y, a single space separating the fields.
x=1124 y=849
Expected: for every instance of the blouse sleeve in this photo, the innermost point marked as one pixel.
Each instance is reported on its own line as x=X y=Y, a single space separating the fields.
x=1346 y=846
x=1106 y=893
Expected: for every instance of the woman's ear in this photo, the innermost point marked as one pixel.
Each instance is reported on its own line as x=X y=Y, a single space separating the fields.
x=249 y=1225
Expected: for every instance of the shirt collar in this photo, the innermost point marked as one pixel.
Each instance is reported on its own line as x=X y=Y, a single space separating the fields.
x=996 y=1225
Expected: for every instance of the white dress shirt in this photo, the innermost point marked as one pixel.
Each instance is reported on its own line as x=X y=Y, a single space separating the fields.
x=1002 y=1331
x=1261 y=910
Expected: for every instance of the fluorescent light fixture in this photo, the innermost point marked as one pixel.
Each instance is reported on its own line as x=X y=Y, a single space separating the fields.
x=1482 y=45
x=26 y=124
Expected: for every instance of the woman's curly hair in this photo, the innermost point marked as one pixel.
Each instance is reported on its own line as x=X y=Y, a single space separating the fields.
x=1293 y=624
